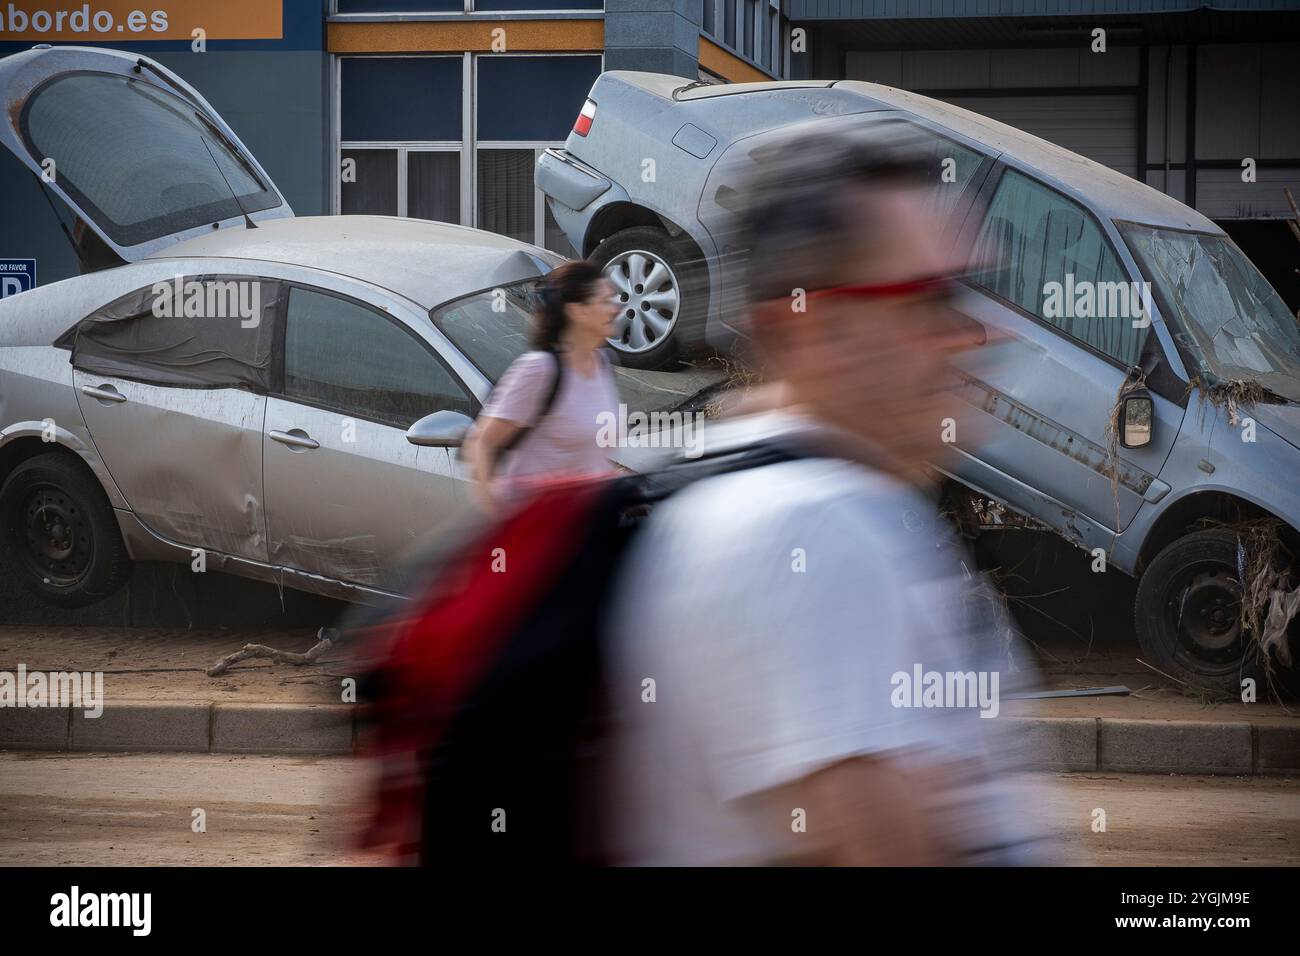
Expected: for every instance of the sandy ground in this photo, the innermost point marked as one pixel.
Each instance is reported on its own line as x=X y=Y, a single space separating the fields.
x=124 y=809
x=161 y=664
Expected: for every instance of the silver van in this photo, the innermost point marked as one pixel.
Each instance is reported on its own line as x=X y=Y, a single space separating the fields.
x=1139 y=392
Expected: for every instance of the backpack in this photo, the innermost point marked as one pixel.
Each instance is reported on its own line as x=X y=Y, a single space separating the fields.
x=485 y=707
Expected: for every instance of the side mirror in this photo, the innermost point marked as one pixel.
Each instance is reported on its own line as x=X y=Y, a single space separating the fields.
x=1136 y=419
x=444 y=429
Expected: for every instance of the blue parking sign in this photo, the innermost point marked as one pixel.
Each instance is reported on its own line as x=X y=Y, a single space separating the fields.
x=16 y=275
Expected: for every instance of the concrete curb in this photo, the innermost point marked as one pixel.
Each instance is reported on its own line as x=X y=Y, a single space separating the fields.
x=183 y=727
x=1048 y=743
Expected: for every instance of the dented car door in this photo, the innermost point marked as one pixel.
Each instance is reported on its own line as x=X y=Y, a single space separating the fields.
x=347 y=495
x=171 y=380
x=1067 y=327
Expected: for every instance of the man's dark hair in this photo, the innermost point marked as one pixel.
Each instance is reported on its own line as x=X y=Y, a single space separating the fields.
x=795 y=223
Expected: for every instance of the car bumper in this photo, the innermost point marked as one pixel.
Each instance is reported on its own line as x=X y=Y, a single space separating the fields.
x=564 y=179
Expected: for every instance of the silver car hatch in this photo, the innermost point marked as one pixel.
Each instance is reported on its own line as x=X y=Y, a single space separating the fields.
x=132 y=148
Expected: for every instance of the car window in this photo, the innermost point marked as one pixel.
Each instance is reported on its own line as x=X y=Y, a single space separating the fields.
x=1046 y=254
x=214 y=331
x=494 y=327
x=950 y=169
x=138 y=159
x=347 y=356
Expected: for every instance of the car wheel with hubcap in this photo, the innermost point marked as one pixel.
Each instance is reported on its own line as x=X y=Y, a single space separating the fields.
x=662 y=288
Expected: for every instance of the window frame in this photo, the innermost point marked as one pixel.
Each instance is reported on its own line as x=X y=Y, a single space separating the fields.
x=278 y=378
x=975 y=219
x=468 y=145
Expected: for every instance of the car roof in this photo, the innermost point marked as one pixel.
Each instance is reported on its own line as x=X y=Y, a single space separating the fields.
x=1108 y=191
x=427 y=262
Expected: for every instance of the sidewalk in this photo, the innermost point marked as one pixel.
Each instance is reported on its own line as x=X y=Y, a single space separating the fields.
x=159 y=699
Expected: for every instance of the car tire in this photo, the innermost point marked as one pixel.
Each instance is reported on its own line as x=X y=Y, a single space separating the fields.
x=1188 y=614
x=681 y=280
x=60 y=532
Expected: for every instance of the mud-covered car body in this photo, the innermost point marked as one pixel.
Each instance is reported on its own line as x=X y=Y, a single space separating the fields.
x=1041 y=396
x=244 y=390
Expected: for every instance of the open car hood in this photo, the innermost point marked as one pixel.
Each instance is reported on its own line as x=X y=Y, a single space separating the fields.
x=137 y=153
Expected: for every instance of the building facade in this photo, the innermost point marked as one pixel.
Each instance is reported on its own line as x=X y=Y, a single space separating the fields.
x=438 y=108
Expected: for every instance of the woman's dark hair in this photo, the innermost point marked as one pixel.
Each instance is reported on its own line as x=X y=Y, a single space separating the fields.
x=571 y=282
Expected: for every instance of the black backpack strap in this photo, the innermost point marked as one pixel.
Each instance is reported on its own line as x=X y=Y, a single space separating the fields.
x=655 y=486
x=547 y=403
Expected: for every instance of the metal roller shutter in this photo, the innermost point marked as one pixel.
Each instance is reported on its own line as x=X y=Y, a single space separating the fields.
x=1102 y=127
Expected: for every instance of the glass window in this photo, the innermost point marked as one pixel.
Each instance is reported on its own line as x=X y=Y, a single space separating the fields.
x=346 y=356
x=492 y=331
x=433 y=185
x=532 y=98
x=411 y=98
x=401 y=6
x=1223 y=312
x=1044 y=253
x=539 y=4
x=507 y=198
x=950 y=169
x=370 y=182
x=774 y=43
x=138 y=159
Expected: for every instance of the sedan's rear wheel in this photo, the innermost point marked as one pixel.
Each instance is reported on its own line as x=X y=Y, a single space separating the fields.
x=662 y=288
x=60 y=532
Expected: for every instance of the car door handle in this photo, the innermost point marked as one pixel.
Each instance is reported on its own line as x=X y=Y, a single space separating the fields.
x=103 y=393
x=294 y=438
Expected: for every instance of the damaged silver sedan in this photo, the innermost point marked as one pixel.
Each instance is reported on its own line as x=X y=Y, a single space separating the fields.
x=239 y=389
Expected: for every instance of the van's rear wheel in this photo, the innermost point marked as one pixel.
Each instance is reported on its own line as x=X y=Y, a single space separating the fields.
x=61 y=533
x=1188 y=614
x=662 y=286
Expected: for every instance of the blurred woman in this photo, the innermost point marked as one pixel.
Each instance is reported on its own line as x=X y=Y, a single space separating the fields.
x=543 y=417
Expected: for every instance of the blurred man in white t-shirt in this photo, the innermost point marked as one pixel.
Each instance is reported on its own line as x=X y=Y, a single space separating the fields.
x=794 y=675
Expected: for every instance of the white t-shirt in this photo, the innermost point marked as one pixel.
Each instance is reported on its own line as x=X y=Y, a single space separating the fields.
x=772 y=609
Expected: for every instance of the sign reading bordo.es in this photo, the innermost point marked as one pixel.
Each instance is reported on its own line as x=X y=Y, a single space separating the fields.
x=134 y=20
x=16 y=275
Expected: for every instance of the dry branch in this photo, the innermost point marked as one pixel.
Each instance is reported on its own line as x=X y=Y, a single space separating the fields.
x=326 y=638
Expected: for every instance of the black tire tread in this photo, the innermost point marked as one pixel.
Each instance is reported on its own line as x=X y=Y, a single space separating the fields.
x=111 y=564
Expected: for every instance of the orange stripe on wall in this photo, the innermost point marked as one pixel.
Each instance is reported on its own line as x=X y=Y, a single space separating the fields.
x=729 y=66
x=475 y=35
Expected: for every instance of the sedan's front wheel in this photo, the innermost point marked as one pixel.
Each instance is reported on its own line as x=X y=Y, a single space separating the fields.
x=60 y=532
x=1188 y=614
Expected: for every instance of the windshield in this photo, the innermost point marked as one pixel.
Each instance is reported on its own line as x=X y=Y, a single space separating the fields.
x=1222 y=312
x=494 y=327
x=139 y=161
